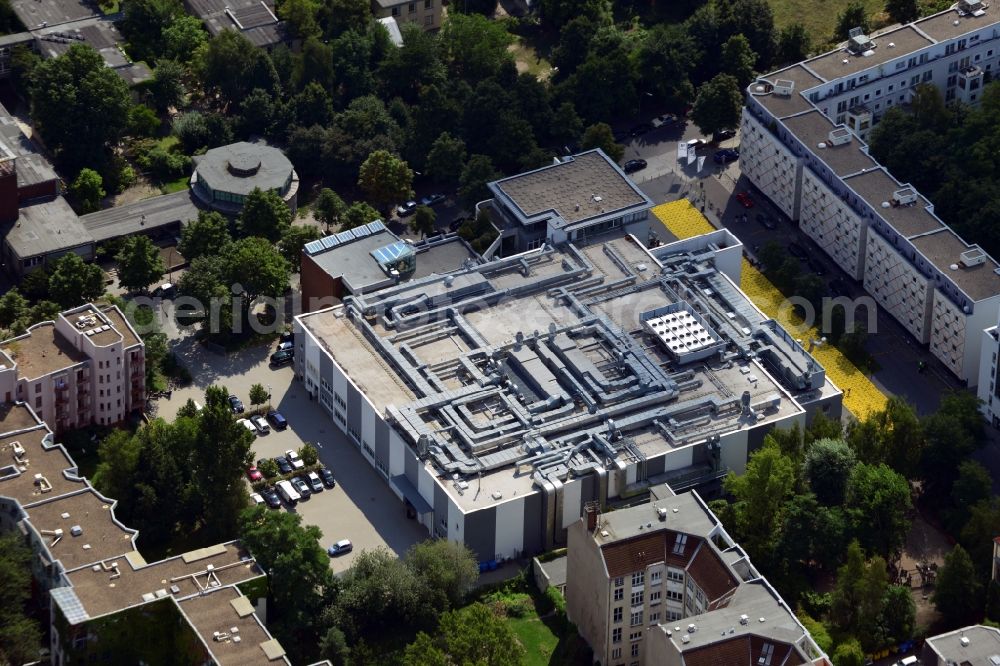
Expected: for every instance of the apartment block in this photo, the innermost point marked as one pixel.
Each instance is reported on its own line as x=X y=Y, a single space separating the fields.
x=663 y=583
x=87 y=366
x=976 y=645
x=424 y=13
x=499 y=399
x=105 y=602
x=804 y=133
x=988 y=389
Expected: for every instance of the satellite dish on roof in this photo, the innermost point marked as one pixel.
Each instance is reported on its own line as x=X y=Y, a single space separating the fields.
x=821 y=145
x=886 y=204
x=953 y=267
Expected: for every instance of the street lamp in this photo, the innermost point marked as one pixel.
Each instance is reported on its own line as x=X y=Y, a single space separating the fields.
x=268 y=397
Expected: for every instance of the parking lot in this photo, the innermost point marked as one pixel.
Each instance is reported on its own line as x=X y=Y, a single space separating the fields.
x=361 y=507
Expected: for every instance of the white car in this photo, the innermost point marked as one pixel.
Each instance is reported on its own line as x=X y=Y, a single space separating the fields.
x=246 y=424
x=315 y=483
x=294 y=460
x=282 y=346
x=260 y=423
x=256 y=499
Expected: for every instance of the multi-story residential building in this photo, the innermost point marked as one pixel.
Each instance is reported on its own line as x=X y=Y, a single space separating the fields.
x=577 y=199
x=804 y=132
x=663 y=583
x=499 y=399
x=973 y=645
x=988 y=389
x=87 y=366
x=424 y=13
x=105 y=602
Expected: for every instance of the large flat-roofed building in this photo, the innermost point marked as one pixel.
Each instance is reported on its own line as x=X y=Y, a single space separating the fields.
x=99 y=591
x=87 y=366
x=499 y=399
x=977 y=645
x=803 y=145
x=576 y=199
x=369 y=258
x=664 y=583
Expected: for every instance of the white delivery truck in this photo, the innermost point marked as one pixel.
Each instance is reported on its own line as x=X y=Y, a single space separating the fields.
x=287 y=492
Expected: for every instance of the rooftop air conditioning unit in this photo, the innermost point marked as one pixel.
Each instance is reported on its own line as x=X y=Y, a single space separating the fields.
x=973 y=257
x=784 y=87
x=970 y=7
x=904 y=197
x=840 y=136
x=859 y=43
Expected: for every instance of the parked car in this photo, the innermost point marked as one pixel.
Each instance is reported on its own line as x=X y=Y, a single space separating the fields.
x=432 y=199
x=246 y=424
x=236 y=404
x=326 y=474
x=744 y=199
x=696 y=143
x=165 y=290
x=277 y=420
x=270 y=496
x=285 y=346
x=301 y=487
x=797 y=251
x=315 y=483
x=640 y=129
x=287 y=336
x=260 y=423
x=256 y=499
x=766 y=221
x=722 y=135
x=294 y=460
x=288 y=492
x=406 y=209
x=283 y=465
x=665 y=119
x=634 y=165
x=254 y=474
x=341 y=547
x=283 y=357
x=457 y=223
x=726 y=155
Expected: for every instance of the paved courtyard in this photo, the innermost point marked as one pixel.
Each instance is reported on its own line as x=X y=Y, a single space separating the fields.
x=361 y=507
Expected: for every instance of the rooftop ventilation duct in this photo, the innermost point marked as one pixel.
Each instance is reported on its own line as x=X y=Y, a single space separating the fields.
x=906 y=196
x=784 y=87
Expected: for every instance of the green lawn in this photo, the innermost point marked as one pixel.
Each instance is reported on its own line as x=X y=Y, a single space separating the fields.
x=528 y=60
x=818 y=16
x=538 y=640
x=168 y=142
x=174 y=185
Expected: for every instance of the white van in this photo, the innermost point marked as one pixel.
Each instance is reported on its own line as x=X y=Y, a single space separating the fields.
x=287 y=492
x=908 y=661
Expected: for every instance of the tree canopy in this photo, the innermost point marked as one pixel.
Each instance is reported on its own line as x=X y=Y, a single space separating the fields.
x=139 y=263
x=717 y=106
x=74 y=282
x=265 y=215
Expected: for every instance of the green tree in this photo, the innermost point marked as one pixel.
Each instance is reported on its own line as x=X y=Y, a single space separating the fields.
x=139 y=263
x=309 y=454
x=478 y=171
x=258 y=268
x=258 y=395
x=447 y=568
x=793 y=44
x=299 y=575
x=474 y=47
x=329 y=208
x=951 y=435
x=144 y=24
x=268 y=468
x=79 y=105
x=293 y=239
x=264 y=215
x=849 y=653
x=183 y=38
x=877 y=502
x=346 y=15
x=958 y=592
x=21 y=638
x=206 y=236
x=854 y=16
x=300 y=16
x=231 y=64
x=811 y=533
x=567 y=126
x=828 y=466
x=972 y=486
x=191 y=129
x=892 y=436
x=166 y=89
x=88 y=190
x=12 y=307
x=142 y=121
x=475 y=634
x=423 y=220
x=717 y=106
x=224 y=454
x=902 y=11
x=386 y=179
x=738 y=59
x=74 y=282
x=599 y=135
x=899 y=613
x=446 y=158
x=359 y=213
x=424 y=651
x=760 y=494
x=981 y=526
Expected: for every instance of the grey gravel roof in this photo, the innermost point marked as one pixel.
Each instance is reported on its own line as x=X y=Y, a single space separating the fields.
x=273 y=173
x=46 y=227
x=144 y=215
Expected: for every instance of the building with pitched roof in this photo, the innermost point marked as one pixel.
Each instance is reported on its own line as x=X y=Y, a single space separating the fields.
x=255 y=20
x=804 y=133
x=105 y=602
x=663 y=583
x=87 y=366
x=498 y=399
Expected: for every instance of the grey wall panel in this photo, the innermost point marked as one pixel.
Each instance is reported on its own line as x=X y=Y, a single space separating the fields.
x=353 y=409
x=481 y=533
x=755 y=438
x=381 y=443
x=656 y=465
x=440 y=511
x=326 y=367
x=411 y=466
x=533 y=519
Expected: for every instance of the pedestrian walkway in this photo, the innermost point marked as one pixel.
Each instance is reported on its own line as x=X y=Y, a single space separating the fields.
x=861 y=396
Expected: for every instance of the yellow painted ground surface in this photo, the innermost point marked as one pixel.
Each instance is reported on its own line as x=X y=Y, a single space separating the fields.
x=860 y=395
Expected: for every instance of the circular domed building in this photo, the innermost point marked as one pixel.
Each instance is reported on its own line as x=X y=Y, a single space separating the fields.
x=224 y=176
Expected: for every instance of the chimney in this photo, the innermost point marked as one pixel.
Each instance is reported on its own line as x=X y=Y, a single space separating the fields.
x=590 y=512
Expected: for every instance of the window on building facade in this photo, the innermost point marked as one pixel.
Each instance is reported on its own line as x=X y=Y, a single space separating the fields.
x=638 y=578
x=637 y=598
x=635 y=649
x=654 y=577
x=619 y=593
x=619 y=581
x=635 y=619
x=616 y=653
x=616 y=615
